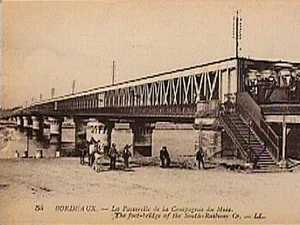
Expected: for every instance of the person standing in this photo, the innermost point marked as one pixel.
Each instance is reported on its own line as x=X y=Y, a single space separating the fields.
x=82 y=156
x=17 y=154
x=200 y=158
x=126 y=155
x=113 y=156
x=168 y=160
x=165 y=157
x=91 y=151
x=162 y=157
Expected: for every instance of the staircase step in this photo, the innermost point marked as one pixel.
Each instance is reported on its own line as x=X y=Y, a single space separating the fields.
x=270 y=170
x=262 y=155
x=271 y=162
x=247 y=138
x=266 y=166
x=266 y=157
x=242 y=128
x=257 y=148
x=262 y=158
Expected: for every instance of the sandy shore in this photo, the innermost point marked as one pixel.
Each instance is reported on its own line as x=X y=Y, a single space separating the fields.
x=50 y=183
x=56 y=191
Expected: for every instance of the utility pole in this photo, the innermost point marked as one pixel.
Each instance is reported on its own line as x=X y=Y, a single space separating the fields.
x=237 y=35
x=73 y=86
x=237 y=32
x=113 y=73
x=52 y=92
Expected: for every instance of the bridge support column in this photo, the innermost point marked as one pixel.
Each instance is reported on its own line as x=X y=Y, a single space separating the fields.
x=27 y=124
x=283 y=162
x=20 y=123
x=55 y=137
x=37 y=128
x=80 y=135
x=142 y=138
x=109 y=126
x=205 y=124
x=99 y=131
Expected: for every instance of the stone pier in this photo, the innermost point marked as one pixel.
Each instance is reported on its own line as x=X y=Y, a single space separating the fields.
x=20 y=123
x=142 y=138
x=55 y=137
x=37 y=128
x=27 y=124
x=80 y=135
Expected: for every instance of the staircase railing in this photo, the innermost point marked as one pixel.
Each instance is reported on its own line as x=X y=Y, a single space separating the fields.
x=230 y=132
x=248 y=108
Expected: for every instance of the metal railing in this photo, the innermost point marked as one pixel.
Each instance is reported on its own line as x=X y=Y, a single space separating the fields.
x=230 y=130
x=247 y=107
x=281 y=108
x=186 y=110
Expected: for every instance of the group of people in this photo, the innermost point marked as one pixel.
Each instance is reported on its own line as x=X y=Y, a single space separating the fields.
x=97 y=151
x=166 y=161
x=24 y=155
x=262 y=88
x=113 y=154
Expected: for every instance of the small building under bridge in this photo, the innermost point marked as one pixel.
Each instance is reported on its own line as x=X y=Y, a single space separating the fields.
x=261 y=127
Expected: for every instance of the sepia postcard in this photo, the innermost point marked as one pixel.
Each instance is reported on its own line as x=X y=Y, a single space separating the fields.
x=149 y=112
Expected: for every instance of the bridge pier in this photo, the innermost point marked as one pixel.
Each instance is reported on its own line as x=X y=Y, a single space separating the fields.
x=27 y=124
x=109 y=126
x=80 y=134
x=142 y=138
x=55 y=137
x=99 y=131
x=20 y=124
x=37 y=128
x=208 y=136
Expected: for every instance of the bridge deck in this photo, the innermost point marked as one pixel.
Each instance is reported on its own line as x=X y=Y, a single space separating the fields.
x=281 y=109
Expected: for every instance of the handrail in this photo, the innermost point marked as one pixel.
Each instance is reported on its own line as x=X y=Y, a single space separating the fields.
x=233 y=138
x=259 y=125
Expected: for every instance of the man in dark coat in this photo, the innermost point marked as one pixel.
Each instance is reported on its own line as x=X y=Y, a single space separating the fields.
x=83 y=153
x=200 y=158
x=126 y=155
x=164 y=157
x=168 y=160
x=113 y=156
x=91 y=151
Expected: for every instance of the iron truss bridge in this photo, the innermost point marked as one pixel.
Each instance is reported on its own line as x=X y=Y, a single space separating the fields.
x=170 y=95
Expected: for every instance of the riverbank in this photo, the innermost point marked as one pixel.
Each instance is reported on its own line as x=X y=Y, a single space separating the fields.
x=48 y=183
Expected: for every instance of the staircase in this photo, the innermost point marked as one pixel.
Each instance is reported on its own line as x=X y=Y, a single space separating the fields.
x=254 y=138
x=251 y=147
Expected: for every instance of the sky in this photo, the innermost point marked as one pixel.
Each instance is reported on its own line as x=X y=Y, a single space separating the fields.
x=49 y=44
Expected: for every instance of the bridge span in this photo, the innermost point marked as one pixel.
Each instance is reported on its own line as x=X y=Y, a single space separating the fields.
x=168 y=95
x=200 y=95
